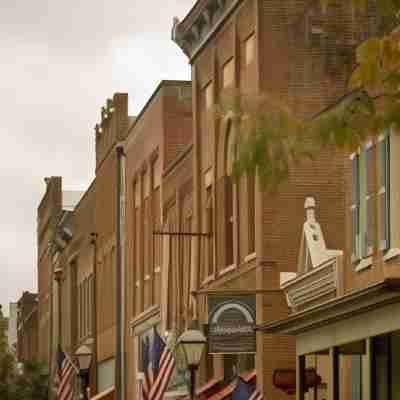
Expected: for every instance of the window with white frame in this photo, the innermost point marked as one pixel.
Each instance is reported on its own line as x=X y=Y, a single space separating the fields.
x=370 y=164
x=383 y=189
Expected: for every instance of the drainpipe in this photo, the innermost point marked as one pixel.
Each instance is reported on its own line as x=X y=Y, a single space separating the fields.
x=93 y=242
x=120 y=286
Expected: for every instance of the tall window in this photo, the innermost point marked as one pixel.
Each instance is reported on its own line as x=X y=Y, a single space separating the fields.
x=364 y=188
x=249 y=46
x=228 y=73
x=355 y=206
x=156 y=214
x=229 y=198
x=209 y=95
x=146 y=226
x=85 y=292
x=383 y=190
x=209 y=229
x=251 y=215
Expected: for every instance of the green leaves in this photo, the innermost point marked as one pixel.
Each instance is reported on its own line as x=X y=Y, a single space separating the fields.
x=271 y=140
x=31 y=384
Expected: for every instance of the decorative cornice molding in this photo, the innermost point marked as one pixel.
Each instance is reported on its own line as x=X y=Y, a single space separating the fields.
x=200 y=24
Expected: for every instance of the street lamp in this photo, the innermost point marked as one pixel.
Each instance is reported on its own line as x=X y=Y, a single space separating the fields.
x=192 y=343
x=84 y=357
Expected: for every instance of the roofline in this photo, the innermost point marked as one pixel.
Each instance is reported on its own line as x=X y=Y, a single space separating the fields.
x=85 y=194
x=149 y=101
x=313 y=317
x=198 y=4
x=219 y=25
x=41 y=203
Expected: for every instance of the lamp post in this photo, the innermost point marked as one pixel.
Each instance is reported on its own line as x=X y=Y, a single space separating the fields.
x=192 y=343
x=84 y=357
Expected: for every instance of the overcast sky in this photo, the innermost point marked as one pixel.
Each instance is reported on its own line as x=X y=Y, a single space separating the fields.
x=60 y=60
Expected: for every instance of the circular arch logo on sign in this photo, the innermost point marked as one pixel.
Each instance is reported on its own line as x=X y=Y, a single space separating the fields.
x=231 y=324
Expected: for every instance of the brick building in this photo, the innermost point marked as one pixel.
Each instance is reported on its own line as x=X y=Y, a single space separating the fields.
x=160 y=135
x=110 y=133
x=166 y=231
x=301 y=54
x=345 y=303
x=49 y=211
x=27 y=327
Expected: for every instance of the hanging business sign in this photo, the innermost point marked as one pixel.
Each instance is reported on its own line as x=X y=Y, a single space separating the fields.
x=231 y=323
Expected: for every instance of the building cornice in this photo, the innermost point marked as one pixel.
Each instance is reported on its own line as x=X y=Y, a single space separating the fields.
x=200 y=25
x=355 y=303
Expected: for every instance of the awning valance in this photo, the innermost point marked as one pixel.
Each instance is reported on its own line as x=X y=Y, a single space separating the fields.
x=228 y=389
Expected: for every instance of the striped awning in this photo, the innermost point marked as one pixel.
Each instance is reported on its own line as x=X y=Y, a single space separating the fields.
x=228 y=389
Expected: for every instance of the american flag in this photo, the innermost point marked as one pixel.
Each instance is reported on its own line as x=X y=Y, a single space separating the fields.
x=63 y=376
x=158 y=363
x=245 y=391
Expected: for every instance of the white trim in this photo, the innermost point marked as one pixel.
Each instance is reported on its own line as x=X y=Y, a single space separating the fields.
x=175 y=394
x=382 y=137
x=104 y=393
x=364 y=264
x=208 y=279
x=139 y=376
x=391 y=253
x=227 y=269
x=208 y=178
x=250 y=257
x=241 y=308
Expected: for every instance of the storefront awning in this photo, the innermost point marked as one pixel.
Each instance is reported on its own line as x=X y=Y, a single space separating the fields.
x=227 y=390
x=107 y=394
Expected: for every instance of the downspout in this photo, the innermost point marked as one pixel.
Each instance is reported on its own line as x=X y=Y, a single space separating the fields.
x=93 y=241
x=120 y=286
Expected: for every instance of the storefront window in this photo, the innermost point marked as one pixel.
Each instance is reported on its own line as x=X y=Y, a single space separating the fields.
x=386 y=367
x=380 y=382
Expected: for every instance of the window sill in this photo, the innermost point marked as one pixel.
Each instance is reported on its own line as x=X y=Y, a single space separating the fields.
x=364 y=264
x=207 y=280
x=367 y=262
x=227 y=269
x=391 y=253
x=250 y=257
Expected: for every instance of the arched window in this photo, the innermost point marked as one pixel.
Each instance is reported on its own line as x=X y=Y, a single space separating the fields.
x=230 y=152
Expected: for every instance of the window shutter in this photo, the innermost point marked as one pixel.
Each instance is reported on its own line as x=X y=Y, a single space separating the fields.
x=355 y=206
x=229 y=220
x=369 y=232
x=383 y=148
